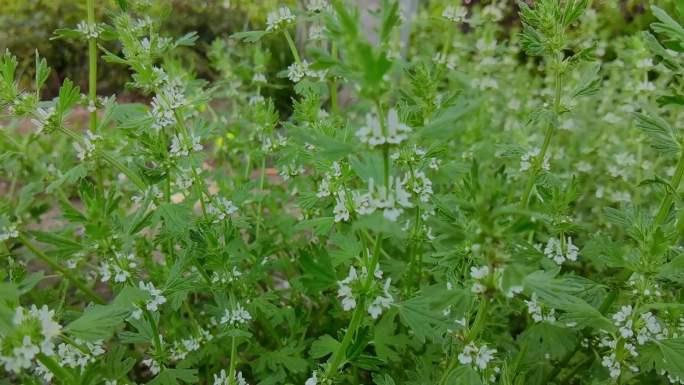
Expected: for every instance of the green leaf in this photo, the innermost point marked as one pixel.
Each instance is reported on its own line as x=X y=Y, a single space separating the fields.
x=323 y=346
x=318 y=272
x=659 y=131
x=249 y=36
x=320 y=226
x=673 y=355
x=425 y=321
x=171 y=376
x=98 y=322
x=387 y=342
x=176 y=217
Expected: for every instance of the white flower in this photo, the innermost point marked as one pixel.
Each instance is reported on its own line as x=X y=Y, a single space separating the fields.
x=341 y=212
x=42 y=118
x=33 y=332
x=8 y=232
x=345 y=291
x=317 y=6
x=316 y=32
x=156 y=294
x=297 y=71
x=237 y=316
x=455 y=13
x=554 y=250
x=527 y=159
x=313 y=380
x=221 y=209
x=536 y=312
x=279 y=19
x=479 y=272
x=153 y=365
x=90 y=31
x=383 y=301
x=86 y=150
x=372 y=133
x=478 y=355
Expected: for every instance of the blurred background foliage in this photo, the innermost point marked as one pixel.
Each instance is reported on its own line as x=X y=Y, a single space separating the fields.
x=28 y=25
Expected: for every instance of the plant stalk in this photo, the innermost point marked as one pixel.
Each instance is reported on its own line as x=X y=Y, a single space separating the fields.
x=539 y=160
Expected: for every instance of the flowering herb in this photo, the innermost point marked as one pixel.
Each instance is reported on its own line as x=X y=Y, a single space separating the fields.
x=445 y=199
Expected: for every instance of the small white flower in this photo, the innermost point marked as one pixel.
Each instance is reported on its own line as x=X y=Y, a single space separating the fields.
x=373 y=135
x=156 y=294
x=279 y=19
x=455 y=13
x=42 y=118
x=313 y=380
x=341 y=212
x=237 y=316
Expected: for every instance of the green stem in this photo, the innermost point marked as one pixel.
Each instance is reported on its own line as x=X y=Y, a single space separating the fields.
x=155 y=333
x=667 y=199
x=473 y=333
x=55 y=368
x=233 y=360
x=92 y=66
x=340 y=353
x=58 y=268
x=293 y=47
x=262 y=179
x=539 y=160
x=357 y=317
x=333 y=84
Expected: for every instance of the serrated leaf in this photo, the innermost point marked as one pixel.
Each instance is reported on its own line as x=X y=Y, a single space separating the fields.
x=323 y=346
x=97 y=322
x=659 y=131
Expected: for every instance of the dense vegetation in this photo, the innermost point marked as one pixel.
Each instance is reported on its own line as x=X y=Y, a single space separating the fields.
x=444 y=198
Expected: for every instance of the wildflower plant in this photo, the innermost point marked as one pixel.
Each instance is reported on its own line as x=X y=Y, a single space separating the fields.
x=442 y=199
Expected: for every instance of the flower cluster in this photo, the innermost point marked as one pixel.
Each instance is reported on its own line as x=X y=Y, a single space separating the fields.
x=89 y=31
x=156 y=297
x=80 y=356
x=280 y=19
x=182 y=147
x=120 y=267
x=634 y=330
x=300 y=70
x=391 y=199
x=479 y=274
x=9 y=231
x=164 y=104
x=530 y=156
x=554 y=250
x=32 y=332
x=222 y=379
x=355 y=282
x=536 y=311
x=86 y=149
x=220 y=209
x=235 y=317
x=478 y=357
x=376 y=132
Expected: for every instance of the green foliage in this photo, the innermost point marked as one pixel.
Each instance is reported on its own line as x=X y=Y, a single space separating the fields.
x=331 y=194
